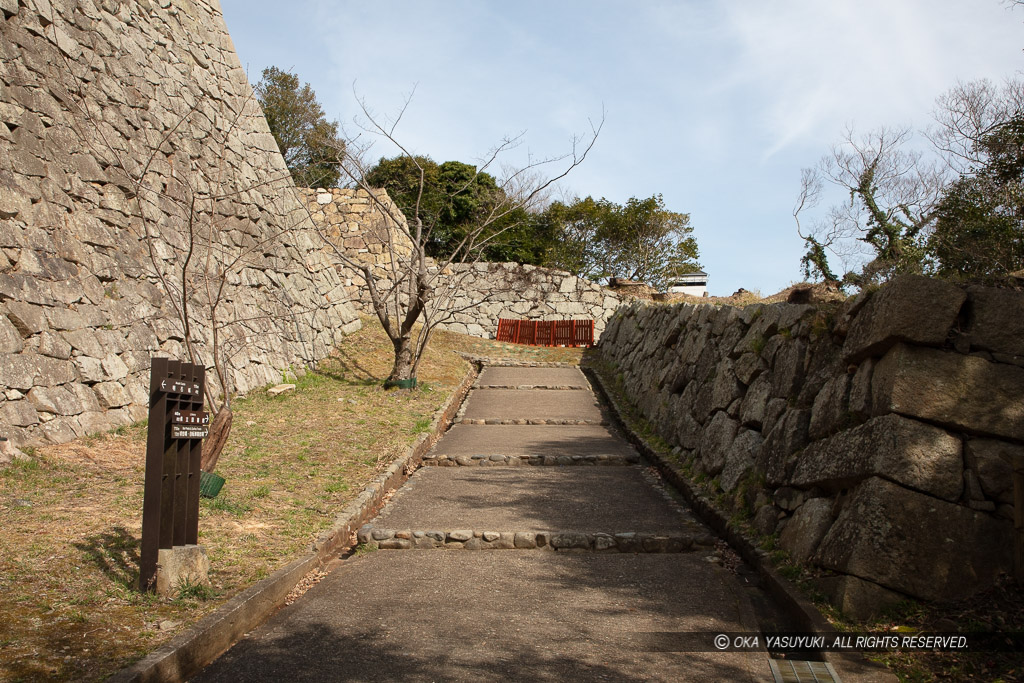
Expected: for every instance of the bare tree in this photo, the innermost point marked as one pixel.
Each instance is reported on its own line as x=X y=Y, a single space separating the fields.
x=969 y=112
x=419 y=294
x=893 y=193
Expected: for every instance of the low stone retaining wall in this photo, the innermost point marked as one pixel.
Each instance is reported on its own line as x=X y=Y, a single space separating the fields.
x=872 y=440
x=564 y=541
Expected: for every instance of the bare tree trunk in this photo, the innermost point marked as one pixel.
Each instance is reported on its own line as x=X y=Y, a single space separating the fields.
x=214 y=444
x=403 y=367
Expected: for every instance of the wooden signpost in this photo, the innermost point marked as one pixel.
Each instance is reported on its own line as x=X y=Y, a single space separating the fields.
x=177 y=427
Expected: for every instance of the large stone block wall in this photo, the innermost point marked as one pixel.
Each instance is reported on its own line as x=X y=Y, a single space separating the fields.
x=114 y=116
x=875 y=439
x=478 y=294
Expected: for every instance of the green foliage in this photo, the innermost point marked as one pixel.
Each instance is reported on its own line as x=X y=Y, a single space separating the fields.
x=452 y=199
x=979 y=233
x=641 y=240
x=309 y=143
x=193 y=591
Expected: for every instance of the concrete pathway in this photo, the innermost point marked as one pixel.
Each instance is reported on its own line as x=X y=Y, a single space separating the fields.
x=554 y=554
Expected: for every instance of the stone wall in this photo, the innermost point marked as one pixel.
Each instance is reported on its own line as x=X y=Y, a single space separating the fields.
x=355 y=224
x=130 y=138
x=478 y=294
x=485 y=292
x=873 y=439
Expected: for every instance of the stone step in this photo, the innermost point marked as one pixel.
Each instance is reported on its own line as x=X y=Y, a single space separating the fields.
x=513 y=404
x=587 y=499
x=498 y=460
x=530 y=440
x=529 y=387
x=514 y=377
x=532 y=421
x=576 y=541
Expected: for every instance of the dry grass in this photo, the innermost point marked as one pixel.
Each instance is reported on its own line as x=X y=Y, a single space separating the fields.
x=71 y=517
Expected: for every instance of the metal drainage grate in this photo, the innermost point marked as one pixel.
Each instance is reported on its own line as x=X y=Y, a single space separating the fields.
x=795 y=671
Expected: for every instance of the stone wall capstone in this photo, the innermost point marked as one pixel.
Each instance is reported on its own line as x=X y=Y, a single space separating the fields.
x=875 y=438
x=129 y=139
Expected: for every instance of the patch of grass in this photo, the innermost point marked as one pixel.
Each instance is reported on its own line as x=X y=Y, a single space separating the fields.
x=194 y=591
x=72 y=514
x=422 y=425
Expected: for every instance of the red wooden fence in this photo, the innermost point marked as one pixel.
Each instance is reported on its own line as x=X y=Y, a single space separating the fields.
x=546 y=332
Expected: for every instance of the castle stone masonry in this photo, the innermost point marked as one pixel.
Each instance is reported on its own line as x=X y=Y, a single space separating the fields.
x=876 y=440
x=111 y=111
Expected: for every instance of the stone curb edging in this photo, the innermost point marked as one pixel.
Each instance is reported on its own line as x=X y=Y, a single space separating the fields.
x=469 y=539
x=186 y=654
x=497 y=460
x=530 y=421
x=851 y=666
x=532 y=387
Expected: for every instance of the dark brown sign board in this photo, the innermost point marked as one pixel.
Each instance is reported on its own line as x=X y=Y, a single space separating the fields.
x=174 y=448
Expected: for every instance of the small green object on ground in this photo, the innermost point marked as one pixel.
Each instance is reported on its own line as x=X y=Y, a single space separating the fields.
x=210 y=484
x=400 y=383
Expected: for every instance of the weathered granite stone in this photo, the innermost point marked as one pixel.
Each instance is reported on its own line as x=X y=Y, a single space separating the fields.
x=181 y=564
x=856 y=598
x=788 y=498
x=10 y=338
x=908 y=452
x=888 y=535
x=111 y=394
x=525 y=540
x=948 y=388
x=788 y=368
x=19 y=413
x=860 y=390
x=726 y=387
x=992 y=464
x=996 y=320
x=748 y=366
x=569 y=541
x=830 y=407
x=55 y=400
x=54 y=346
x=781 y=445
x=26 y=318
x=716 y=442
x=26 y=370
x=744 y=452
x=752 y=412
x=806 y=528
x=766 y=519
x=909 y=308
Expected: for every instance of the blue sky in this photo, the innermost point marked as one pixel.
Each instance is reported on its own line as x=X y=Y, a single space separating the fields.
x=714 y=104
